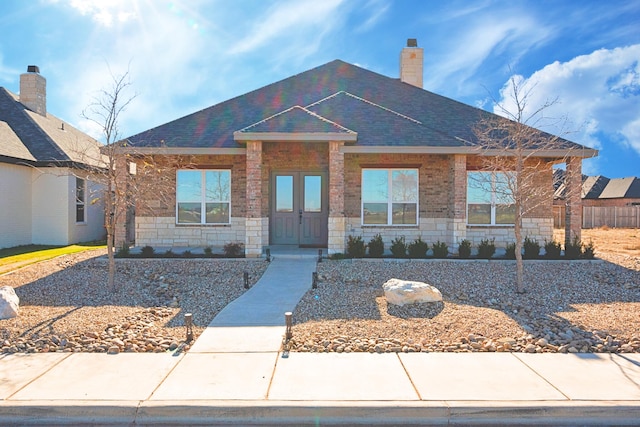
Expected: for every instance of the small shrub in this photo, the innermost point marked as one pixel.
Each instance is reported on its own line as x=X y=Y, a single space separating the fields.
x=589 y=251
x=418 y=248
x=337 y=256
x=399 y=247
x=440 y=249
x=376 y=246
x=510 y=251
x=123 y=252
x=208 y=251
x=355 y=247
x=486 y=248
x=233 y=250
x=552 y=249
x=187 y=254
x=531 y=248
x=573 y=250
x=147 y=251
x=464 y=250
x=169 y=253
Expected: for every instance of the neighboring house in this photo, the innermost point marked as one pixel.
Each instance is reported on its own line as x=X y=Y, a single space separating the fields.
x=332 y=152
x=46 y=194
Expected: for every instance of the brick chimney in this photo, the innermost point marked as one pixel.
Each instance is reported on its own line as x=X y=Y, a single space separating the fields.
x=411 y=66
x=33 y=90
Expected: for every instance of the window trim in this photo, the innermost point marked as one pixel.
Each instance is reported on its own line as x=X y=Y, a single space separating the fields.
x=493 y=202
x=203 y=201
x=81 y=203
x=390 y=202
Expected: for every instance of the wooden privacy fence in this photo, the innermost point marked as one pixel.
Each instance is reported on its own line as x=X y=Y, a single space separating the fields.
x=599 y=216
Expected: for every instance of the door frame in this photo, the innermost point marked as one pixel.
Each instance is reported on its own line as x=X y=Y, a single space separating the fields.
x=298 y=196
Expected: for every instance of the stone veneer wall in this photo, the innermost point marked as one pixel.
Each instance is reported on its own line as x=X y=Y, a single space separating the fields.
x=163 y=231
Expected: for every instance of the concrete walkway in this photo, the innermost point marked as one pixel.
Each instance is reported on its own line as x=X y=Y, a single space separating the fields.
x=236 y=373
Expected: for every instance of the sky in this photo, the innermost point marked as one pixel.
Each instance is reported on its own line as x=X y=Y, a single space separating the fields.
x=581 y=56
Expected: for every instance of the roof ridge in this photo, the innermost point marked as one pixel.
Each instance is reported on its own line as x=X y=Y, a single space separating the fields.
x=311 y=113
x=368 y=102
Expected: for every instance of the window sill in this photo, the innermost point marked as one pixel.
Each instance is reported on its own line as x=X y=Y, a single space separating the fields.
x=203 y=225
x=490 y=226
x=389 y=226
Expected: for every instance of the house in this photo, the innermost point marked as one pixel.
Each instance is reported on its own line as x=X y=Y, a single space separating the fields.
x=45 y=186
x=332 y=152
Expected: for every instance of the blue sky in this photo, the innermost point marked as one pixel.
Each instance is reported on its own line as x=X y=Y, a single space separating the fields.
x=187 y=55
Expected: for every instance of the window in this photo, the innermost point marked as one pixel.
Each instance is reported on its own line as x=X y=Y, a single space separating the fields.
x=489 y=199
x=80 y=200
x=203 y=197
x=389 y=196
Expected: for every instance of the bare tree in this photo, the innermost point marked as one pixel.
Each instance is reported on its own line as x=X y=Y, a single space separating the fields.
x=515 y=163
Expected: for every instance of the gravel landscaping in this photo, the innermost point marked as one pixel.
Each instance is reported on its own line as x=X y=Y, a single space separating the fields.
x=66 y=306
x=569 y=306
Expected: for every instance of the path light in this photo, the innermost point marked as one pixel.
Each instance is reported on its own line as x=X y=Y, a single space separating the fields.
x=287 y=320
x=319 y=255
x=314 y=280
x=246 y=280
x=268 y=254
x=188 y=322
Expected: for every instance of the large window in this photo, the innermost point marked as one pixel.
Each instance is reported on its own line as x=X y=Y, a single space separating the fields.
x=81 y=200
x=489 y=199
x=203 y=197
x=389 y=196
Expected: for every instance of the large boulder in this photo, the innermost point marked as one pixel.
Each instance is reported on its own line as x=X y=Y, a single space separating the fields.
x=401 y=292
x=9 y=302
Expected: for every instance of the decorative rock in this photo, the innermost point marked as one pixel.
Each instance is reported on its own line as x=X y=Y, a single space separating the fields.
x=9 y=303
x=401 y=292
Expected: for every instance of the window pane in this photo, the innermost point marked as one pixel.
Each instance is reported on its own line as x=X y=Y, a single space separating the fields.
x=284 y=193
x=79 y=190
x=479 y=187
x=505 y=214
x=374 y=213
x=404 y=185
x=312 y=194
x=189 y=213
x=479 y=214
x=217 y=213
x=79 y=213
x=217 y=186
x=404 y=213
x=375 y=185
x=189 y=186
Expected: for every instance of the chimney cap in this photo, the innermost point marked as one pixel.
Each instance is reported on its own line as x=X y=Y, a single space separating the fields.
x=33 y=69
x=412 y=42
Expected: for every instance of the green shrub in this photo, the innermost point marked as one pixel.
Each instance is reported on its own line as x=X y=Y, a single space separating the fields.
x=355 y=247
x=510 y=252
x=399 y=247
x=440 y=249
x=418 y=248
x=187 y=254
x=573 y=250
x=337 y=256
x=531 y=248
x=208 y=251
x=376 y=246
x=233 y=250
x=123 y=252
x=168 y=253
x=486 y=248
x=464 y=250
x=552 y=249
x=589 y=251
x=147 y=251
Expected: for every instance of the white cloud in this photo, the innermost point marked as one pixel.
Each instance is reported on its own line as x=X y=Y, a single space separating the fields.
x=376 y=9
x=599 y=93
x=104 y=12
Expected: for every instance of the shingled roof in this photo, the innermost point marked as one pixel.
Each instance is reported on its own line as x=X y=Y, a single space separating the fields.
x=30 y=138
x=382 y=111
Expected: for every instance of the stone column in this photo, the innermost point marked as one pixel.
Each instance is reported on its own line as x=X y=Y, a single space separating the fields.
x=337 y=220
x=253 y=228
x=459 y=190
x=573 y=199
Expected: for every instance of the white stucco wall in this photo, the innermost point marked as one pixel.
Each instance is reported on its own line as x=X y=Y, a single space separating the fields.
x=49 y=213
x=93 y=227
x=15 y=205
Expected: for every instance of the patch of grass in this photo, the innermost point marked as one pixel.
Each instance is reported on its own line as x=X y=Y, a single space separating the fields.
x=20 y=256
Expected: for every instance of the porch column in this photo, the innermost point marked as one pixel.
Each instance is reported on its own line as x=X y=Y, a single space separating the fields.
x=120 y=201
x=459 y=223
x=337 y=221
x=573 y=200
x=254 y=224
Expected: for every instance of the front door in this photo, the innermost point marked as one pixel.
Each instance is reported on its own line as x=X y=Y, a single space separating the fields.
x=299 y=209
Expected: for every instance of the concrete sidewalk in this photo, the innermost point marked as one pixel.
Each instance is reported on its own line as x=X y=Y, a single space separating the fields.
x=236 y=374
